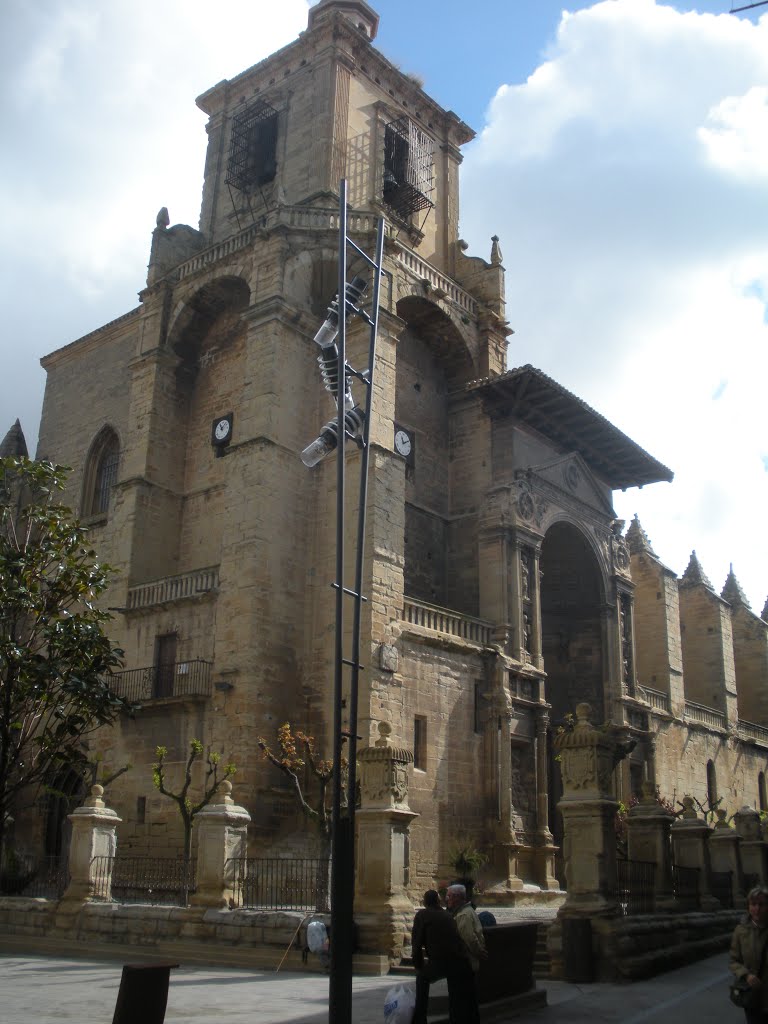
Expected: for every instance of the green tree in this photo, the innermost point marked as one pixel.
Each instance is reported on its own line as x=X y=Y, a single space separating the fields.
x=295 y=756
x=187 y=809
x=56 y=661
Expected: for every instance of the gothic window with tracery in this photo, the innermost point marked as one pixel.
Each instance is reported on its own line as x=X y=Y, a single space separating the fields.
x=101 y=473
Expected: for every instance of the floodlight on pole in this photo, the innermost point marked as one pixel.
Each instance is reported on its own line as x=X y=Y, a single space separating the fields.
x=354 y=416
x=328 y=438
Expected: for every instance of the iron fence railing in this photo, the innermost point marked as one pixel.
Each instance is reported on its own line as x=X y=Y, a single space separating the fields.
x=721 y=887
x=174 y=679
x=280 y=883
x=41 y=877
x=158 y=880
x=685 y=882
x=635 y=881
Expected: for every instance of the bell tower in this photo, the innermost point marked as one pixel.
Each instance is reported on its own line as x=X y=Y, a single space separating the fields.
x=326 y=107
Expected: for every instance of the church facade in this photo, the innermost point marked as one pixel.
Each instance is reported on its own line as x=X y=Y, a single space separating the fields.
x=501 y=589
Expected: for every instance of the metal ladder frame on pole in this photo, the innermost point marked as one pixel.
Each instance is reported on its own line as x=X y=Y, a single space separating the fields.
x=343 y=825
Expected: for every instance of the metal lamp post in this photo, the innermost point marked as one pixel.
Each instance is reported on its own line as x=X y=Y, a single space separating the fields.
x=352 y=422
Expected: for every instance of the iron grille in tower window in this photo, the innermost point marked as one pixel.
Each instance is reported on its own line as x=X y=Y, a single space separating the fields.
x=408 y=167
x=253 y=148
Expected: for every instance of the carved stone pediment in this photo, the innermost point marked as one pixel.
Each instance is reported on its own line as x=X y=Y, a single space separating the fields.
x=572 y=476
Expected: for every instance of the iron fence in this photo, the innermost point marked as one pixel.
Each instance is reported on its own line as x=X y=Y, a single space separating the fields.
x=721 y=887
x=685 y=882
x=280 y=883
x=41 y=877
x=157 y=880
x=635 y=886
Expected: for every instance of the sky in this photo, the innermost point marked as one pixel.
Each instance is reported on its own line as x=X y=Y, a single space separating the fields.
x=621 y=157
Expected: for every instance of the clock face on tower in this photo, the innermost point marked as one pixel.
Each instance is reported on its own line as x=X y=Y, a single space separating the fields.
x=403 y=442
x=221 y=430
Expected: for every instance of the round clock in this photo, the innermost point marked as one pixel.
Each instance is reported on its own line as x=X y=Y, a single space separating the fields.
x=402 y=443
x=221 y=430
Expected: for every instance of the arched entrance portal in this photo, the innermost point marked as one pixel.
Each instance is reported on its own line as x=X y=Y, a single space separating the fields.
x=572 y=638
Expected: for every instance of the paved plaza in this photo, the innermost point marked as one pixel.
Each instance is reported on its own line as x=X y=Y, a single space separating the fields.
x=54 y=990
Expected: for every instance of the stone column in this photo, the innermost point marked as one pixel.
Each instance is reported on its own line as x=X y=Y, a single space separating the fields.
x=507 y=847
x=754 y=861
x=222 y=838
x=383 y=911
x=587 y=759
x=725 y=855
x=92 y=849
x=545 y=844
x=648 y=833
x=536 y=644
x=690 y=835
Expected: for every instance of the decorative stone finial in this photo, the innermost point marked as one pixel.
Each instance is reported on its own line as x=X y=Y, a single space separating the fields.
x=638 y=540
x=732 y=592
x=496 y=256
x=163 y=219
x=721 y=815
x=385 y=731
x=226 y=791
x=689 y=811
x=95 y=799
x=694 y=575
x=583 y=711
x=765 y=611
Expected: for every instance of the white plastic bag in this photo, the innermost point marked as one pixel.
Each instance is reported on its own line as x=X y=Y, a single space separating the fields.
x=317 y=937
x=399 y=1004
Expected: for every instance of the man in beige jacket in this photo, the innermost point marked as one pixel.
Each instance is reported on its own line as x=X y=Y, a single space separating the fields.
x=471 y=933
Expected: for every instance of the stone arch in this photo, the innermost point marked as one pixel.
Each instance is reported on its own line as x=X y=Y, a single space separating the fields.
x=435 y=328
x=100 y=473
x=196 y=314
x=572 y=593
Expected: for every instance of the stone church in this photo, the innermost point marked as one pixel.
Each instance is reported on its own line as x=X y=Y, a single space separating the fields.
x=501 y=589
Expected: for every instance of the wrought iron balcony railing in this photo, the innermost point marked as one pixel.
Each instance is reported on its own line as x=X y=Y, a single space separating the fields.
x=157 y=682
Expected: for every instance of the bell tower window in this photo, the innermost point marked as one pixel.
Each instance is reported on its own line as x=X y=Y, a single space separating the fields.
x=253 y=148
x=408 y=176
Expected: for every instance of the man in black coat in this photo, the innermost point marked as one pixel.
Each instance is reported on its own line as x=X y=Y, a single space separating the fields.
x=434 y=930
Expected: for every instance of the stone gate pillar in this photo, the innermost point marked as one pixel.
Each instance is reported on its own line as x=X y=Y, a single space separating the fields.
x=92 y=849
x=690 y=843
x=725 y=855
x=648 y=834
x=754 y=859
x=587 y=759
x=383 y=911
x=222 y=838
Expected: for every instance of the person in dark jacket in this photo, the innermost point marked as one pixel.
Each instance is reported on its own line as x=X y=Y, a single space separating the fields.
x=749 y=952
x=435 y=932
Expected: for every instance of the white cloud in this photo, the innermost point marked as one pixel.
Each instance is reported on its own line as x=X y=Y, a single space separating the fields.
x=99 y=105
x=736 y=136
x=628 y=180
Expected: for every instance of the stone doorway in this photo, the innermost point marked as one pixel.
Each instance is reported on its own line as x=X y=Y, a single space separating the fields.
x=572 y=595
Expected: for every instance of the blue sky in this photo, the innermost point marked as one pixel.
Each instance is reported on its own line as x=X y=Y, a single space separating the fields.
x=621 y=157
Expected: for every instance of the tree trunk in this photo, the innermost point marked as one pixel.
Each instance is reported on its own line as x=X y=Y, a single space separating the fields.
x=323 y=879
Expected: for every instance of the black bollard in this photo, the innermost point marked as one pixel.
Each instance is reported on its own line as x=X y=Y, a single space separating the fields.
x=143 y=994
